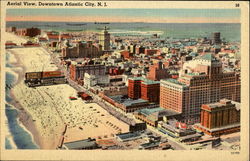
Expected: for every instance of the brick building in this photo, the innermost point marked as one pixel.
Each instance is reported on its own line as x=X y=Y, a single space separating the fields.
x=139 y=87
x=140 y=50
x=31 y=32
x=134 y=88
x=220 y=118
x=82 y=50
x=126 y=54
x=77 y=71
x=126 y=105
x=157 y=72
x=152 y=51
x=116 y=71
x=150 y=90
x=201 y=81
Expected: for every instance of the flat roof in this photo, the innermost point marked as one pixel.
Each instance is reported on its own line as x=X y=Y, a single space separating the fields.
x=136 y=78
x=174 y=81
x=148 y=111
x=220 y=104
x=80 y=144
x=208 y=56
x=128 y=135
x=158 y=112
x=127 y=101
x=191 y=136
x=145 y=80
x=131 y=102
x=150 y=145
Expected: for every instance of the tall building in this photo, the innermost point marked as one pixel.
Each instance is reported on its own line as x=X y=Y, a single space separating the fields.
x=216 y=38
x=201 y=81
x=134 y=88
x=140 y=50
x=157 y=72
x=150 y=90
x=139 y=87
x=220 y=118
x=104 y=39
x=132 y=48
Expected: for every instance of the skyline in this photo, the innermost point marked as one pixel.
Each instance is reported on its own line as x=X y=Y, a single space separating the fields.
x=126 y=15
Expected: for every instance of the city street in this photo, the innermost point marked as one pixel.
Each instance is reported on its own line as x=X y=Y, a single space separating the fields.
x=110 y=108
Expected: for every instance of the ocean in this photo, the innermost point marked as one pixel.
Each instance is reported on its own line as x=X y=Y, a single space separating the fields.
x=17 y=137
x=229 y=31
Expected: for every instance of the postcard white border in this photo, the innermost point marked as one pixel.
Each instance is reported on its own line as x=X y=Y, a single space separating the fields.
x=136 y=154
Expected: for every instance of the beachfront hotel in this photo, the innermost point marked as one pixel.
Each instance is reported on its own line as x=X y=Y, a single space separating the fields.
x=77 y=71
x=81 y=49
x=219 y=118
x=202 y=80
x=31 y=32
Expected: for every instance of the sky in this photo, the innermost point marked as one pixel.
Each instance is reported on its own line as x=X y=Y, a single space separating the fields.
x=126 y=15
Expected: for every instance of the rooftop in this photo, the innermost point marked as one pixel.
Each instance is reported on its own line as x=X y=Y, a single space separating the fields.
x=224 y=102
x=128 y=135
x=81 y=144
x=196 y=74
x=131 y=102
x=208 y=56
x=145 y=80
x=148 y=111
x=150 y=145
x=191 y=136
x=175 y=82
x=157 y=112
x=127 y=101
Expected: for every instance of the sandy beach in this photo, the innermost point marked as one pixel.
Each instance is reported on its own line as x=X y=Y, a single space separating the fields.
x=13 y=38
x=46 y=110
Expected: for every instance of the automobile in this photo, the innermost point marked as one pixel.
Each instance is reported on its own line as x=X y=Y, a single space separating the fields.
x=72 y=98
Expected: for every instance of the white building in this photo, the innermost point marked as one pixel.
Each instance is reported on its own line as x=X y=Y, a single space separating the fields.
x=93 y=80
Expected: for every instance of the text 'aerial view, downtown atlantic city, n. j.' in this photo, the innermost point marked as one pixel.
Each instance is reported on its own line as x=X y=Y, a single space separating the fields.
x=145 y=79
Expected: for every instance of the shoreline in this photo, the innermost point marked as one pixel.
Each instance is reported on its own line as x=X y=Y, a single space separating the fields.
x=33 y=120
x=48 y=108
x=23 y=115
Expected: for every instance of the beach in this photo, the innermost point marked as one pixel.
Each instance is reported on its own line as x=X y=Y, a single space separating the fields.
x=46 y=110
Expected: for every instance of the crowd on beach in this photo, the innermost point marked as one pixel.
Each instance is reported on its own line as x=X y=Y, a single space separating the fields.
x=50 y=106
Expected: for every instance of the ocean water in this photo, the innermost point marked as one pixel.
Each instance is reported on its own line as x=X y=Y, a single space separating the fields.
x=21 y=137
x=229 y=31
x=17 y=136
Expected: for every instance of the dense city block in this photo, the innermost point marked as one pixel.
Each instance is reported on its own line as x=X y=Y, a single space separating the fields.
x=122 y=91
